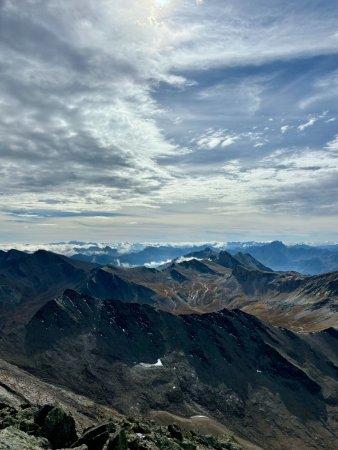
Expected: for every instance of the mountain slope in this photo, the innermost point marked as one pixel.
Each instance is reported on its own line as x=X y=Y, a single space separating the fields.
x=290 y=299
x=225 y=365
x=18 y=387
x=27 y=281
x=286 y=299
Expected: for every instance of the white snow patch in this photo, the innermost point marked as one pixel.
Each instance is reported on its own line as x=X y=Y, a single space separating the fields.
x=157 y=364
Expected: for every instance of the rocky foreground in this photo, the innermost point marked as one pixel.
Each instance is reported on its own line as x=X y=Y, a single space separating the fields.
x=47 y=427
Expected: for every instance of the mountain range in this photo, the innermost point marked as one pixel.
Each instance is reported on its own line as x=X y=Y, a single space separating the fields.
x=306 y=259
x=303 y=258
x=211 y=333
x=202 y=281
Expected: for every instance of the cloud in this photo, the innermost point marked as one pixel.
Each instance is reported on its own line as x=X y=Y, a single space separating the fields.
x=160 y=112
x=311 y=121
x=246 y=33
x=307 y=124
x=324 y=90
x=212 y=139
x=304 y=181
x=332 y=146
x=216 y=139
x=285 y=128
x=239 y=96
x=229 y=141
x=76 y=101
x=59 y=213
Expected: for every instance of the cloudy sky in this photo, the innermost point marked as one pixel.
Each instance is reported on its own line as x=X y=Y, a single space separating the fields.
x=168 y=120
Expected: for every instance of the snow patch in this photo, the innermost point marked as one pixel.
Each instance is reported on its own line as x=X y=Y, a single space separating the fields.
x=147 y=365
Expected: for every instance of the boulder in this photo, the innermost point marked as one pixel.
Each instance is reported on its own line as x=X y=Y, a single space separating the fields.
x=57 y=426
x=96 y=437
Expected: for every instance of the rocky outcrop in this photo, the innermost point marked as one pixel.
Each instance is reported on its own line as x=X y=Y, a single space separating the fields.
x=12 y=438
x=142 y=435
x=56 y=425
x=48 y=422
x=47 y=427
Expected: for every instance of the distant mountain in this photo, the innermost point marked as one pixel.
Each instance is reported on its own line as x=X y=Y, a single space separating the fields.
x=96 y=255
x=224 y=259
x=248 y=261
x=305 y=259
x=148 y=256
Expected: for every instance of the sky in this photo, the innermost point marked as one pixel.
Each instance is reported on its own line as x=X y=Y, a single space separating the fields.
x=150 y=120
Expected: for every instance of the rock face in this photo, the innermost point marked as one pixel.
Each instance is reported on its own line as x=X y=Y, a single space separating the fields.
x=47 y=427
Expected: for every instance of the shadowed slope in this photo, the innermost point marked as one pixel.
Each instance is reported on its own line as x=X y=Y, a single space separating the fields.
x=226 y=365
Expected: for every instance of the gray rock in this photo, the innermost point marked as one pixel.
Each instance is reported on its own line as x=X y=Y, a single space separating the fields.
x=13 y=439
x=59 y=428
x=22 y=429
x=81 y=447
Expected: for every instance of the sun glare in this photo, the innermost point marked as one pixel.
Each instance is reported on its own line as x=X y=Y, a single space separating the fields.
x=162 y=3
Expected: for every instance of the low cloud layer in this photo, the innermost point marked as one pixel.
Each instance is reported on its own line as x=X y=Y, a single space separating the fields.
x=166 y=119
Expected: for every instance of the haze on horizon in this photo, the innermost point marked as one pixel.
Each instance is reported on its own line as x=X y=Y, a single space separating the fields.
x=168 y=120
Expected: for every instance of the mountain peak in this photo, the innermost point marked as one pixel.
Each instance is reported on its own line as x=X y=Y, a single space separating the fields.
x=277 y=244
x=225 y=259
